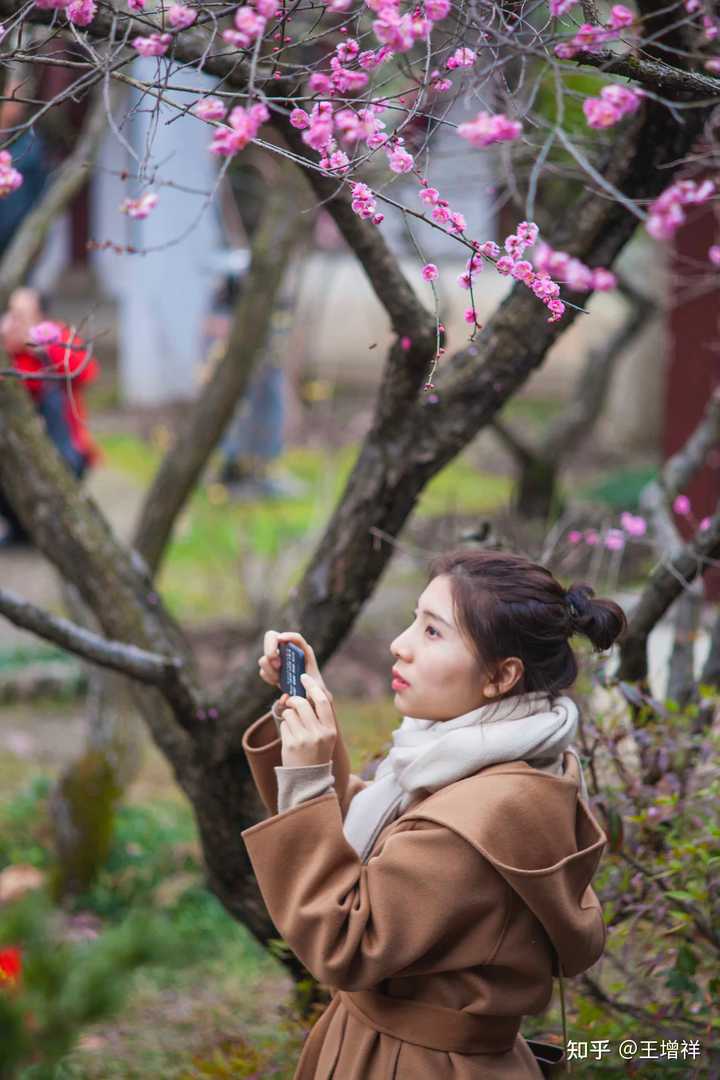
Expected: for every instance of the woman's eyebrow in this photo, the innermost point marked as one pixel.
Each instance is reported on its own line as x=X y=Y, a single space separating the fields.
x=432 y=615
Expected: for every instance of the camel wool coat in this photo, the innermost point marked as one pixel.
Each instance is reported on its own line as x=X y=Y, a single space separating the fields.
x=438 y=946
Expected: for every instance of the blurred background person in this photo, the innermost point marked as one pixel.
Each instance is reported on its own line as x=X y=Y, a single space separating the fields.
x=58 y=401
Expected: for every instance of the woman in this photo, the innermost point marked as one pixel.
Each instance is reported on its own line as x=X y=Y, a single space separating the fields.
x=439 y=899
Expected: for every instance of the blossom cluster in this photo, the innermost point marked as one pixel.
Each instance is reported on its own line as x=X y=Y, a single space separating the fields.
x=79 y=12
x=614 y=103
x=139 y=208
x=572 y=272
x=488 y=128
x=180 y=17
x=667 y=212
x=153 y=45
x=210 y=108
x=250 y=23
x=441 y=212
x=591 y=37
x=632 y=526
x=10 y=178
x=363 y=203
x=242 y=127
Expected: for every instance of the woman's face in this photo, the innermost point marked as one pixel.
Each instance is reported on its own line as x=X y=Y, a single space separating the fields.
x=440 y=677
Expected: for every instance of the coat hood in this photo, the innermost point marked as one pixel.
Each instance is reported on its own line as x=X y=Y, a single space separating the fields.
x=541 y=837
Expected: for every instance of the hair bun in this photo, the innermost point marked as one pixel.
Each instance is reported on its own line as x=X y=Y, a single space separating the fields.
x=600 y=621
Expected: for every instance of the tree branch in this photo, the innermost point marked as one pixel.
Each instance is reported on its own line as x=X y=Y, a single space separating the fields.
x=656 y=75
x=144 y=666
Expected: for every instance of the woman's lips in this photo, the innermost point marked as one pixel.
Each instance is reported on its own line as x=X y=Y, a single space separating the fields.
x=398 y=683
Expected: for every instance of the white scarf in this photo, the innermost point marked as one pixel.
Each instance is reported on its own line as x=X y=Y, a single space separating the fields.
x=427 y=755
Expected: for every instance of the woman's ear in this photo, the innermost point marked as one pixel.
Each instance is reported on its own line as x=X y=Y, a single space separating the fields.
x=508 y=674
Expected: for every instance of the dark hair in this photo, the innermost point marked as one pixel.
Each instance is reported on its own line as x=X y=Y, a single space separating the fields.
x=507 y=605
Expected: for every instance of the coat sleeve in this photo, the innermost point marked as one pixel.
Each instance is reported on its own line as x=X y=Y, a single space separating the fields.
x=263 y=747
x=354 y=925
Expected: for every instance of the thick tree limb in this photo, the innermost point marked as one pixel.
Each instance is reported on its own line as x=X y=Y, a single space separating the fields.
x=68 y=528
x=278 y=233
x=69 y=179
x=660 y=77
x=666 y=583
x=655 y=501
x=139 y=664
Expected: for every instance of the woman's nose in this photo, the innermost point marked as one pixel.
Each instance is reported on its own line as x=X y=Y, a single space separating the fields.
x=399 y=647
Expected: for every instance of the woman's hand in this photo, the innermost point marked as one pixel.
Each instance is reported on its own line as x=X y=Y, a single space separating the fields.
x=308 y=728
x=269 y=662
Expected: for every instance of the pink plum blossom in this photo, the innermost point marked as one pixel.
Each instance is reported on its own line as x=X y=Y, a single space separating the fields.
x=154 y=45
x=487 y=129
x=405 y=343
x=667 y=213
x=461 y=58
x=399 y=160
x=139 y=208
x=574 y=536
x=81 y=12
x=319 y=83
x=210 y=108
x=299 y=119
x=437 y=9
x=363 y=200
x=614 y=540
x=621 y=17
x=267 y=8
x=469 y=316
x=457 y=223
x=10 y=178
x=430 y=272
x=180 y=16
x=710 y=27
x=704 y=524
x=634 y=525
x=243 y=127
x=681 y=506
x=714 y=254
x=429 y=195
x=44 y=333
x=561 y=7
x=591 y=537
x=136 y=5
x=347 y=50
x=614 y=103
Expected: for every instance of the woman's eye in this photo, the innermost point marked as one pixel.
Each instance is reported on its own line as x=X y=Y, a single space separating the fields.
x=432 y=631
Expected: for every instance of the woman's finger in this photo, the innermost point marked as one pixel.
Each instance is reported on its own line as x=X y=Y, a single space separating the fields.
x=267 y=672
x=270 y=642
x=320 y=700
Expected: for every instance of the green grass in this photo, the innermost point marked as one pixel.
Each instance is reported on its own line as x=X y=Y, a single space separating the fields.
x=621 y=489
x=204 y=572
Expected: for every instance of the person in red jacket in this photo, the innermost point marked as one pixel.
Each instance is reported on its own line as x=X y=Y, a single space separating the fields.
x=38 y=347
